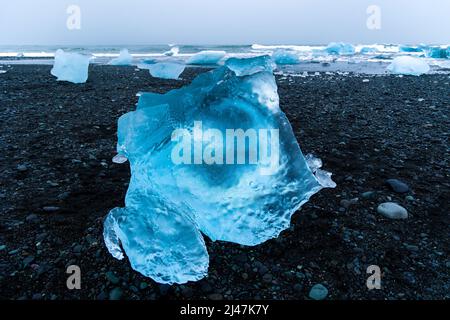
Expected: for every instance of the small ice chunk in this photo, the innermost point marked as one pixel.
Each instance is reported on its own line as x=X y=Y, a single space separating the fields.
x=340 y=48
x=172 y=52
x=249 y=66
x=119 y=159
x=313 y=162
x=408 y=66
x=124 y=59
x=166 y=70
x=2 y=71
x=70 y=66
x=207 y=57
x=282 y=56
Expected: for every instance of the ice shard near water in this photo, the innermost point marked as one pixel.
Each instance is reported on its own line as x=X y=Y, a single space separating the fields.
x=408 y=66
x=207 y=57
x=70 y=66
x=124 y=59
x=174 y=195
x=172 y=52
x=282 y=56
x=166 y=70
x=340 y=48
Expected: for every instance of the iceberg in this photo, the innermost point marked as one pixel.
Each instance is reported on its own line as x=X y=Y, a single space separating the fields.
x=70 y=66
x=166 y=70
x=340 y=48
x=282 y=56
x=207 y=57
x=217 y=157
x=438 y=52
x=124 y=59
x=248 y=66
x=408 y=66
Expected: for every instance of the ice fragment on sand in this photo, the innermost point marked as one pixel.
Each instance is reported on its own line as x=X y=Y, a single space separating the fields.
x=249 y=66
x=340 y=48
x=282 y=56
x=166 y=70
x=207 y=57
x=124 y=59
x=174 y=195
x=408 y=66
x=69 y=66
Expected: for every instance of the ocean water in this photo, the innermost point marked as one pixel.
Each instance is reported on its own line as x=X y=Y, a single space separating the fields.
x=312 y=57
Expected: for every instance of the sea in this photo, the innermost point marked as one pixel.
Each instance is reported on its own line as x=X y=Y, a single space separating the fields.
x=368 y=58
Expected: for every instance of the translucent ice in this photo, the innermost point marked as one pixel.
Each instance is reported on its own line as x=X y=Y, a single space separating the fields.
x=405 y=48
x=367 y=50
x=249 y=66
x=408 y=66
x=166 y=70
x=69 y=66
x=218 y=157
x=124 y=59
x=438 y=52
x=207 y=57
x=282 y=56
x=340 y=48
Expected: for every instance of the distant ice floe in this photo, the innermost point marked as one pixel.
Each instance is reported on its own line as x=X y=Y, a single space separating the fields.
x=284 y=56
x=208 y=57
x=124 y=59
x=340 y=48
x=70 y=66
x=407 y=65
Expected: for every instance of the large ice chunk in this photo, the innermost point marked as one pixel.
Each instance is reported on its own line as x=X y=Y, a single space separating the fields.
x=208 y=57
x=408 y=66
x=340 y=48
x=166 y=70
x=70 y=66
x=124 y=59
x=405 y=48
x=217 y=156
x=283 y=56
x=249 y=66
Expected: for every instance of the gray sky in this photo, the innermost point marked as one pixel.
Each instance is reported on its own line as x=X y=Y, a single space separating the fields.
x=103 y=22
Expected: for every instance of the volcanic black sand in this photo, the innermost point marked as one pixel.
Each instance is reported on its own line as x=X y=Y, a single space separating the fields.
x=58 y=183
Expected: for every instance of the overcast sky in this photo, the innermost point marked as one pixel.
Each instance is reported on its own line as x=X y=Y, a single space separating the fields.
x=103 y=22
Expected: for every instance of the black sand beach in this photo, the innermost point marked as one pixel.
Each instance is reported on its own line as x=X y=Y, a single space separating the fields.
x=58 y=183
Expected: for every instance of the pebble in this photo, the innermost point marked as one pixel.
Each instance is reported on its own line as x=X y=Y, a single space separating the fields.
x=112 y=277
x=267 y=277
x=22 y=168
x=215 y=296
x=392 y=210
x=115 y=294
x=368 y=194
x=50 y=209
x=318 y=292
x=397 y=185
x=32 y=218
